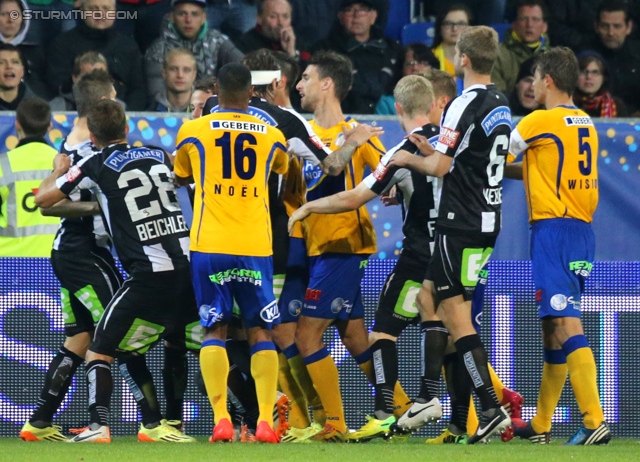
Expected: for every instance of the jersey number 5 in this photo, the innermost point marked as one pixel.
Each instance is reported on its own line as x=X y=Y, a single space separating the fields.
x=585 y=148
x=244 y=158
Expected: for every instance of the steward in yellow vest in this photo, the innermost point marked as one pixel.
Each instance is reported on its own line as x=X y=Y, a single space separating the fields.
x=24 y=231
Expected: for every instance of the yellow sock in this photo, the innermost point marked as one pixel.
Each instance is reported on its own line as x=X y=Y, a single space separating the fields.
x=324 y=374
x=498 y=386
x=301 y=375
x=214 y=365
x=264 y=370
x=554 y=377
x=584 y=382
x=298 y=407
x=367 y=368
x=472 y=418
x=401 y=402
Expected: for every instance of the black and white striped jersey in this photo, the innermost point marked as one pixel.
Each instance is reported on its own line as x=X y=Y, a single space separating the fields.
x=420 y=194
x=80 y=234
x=474 y=131
x=138 y=201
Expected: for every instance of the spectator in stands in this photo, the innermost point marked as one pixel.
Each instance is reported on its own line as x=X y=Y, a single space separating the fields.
x=232 y=17
x=621 y=54
x=43 y=27
x=313 y=20
x=571 y=22
x=143 y=21
x=12 y=88
x=373 y=55
x=593 y=95
x=202 y=90
x=416 y=57
x=178 y=73
x=14 y=29
x=273 y=30
x=525 y=38
x=451 y=20
x=187 y=28
x=82 y=64
x=522 y=101
x=98 y=33
x=485 y=12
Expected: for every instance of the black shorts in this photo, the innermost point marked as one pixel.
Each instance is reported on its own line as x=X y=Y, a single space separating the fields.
x=150 y=306
x=456 y=263
x=397 y=307
x=88 y=282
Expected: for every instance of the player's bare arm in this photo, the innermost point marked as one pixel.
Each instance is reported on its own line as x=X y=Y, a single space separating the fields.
x=67 y=208
x=344 y=201
x=48 y=193
x=513 y=170
x=437 y=164
x=335 y=162
x=181 y=181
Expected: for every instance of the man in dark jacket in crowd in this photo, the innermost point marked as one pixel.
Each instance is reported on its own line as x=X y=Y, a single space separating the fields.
x=373 y=55
x=97 y=33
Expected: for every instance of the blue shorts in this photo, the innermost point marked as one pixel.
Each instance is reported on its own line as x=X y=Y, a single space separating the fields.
x=477 y=302
x=218 y=279
x=295 y=282
x=334 y=287
x=562 y=254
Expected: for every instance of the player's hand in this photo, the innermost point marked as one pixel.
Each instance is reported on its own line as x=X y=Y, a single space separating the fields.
x=390 y=198
x=61 y=163
x=422 y=143
x=400 y=159
x=288 y=40
x=298 y=215
x=362 y=133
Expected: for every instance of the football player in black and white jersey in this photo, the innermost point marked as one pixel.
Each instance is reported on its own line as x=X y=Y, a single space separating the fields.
x=139 y=205
x=269 y=104
x=470 y=156
x=396 y=307
x=81 y=261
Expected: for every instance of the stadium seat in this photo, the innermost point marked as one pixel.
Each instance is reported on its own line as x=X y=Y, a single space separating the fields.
x=422 y=32
x=501 y=29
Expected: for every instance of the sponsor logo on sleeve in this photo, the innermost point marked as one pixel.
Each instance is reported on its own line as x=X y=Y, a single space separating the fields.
x=448 y=137
x=73 y=173
x=380 y=171
x=315 y=139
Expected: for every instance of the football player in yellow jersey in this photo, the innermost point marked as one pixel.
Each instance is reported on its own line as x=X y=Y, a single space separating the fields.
x=560 y=146
x=230 y=155
x=338 y=245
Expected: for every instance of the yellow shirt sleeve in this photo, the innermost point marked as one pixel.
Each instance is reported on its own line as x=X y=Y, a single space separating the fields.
x=182 y=163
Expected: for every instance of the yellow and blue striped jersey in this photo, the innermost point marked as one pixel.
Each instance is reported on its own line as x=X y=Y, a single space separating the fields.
x=560 y=169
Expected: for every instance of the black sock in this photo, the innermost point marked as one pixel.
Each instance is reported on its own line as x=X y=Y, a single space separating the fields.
x=459 y=388
x=240 y=355
x=100 y=385
x=136 y=373
x=243 y=397
x=474 y=358
x=434 y=344
x=56 y=384
x=385 y=374
x=175 y=376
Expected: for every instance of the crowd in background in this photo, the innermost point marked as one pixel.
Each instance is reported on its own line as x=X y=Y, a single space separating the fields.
x=156 y=58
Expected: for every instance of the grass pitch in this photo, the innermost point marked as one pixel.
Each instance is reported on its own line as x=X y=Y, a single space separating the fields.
x=127 y=449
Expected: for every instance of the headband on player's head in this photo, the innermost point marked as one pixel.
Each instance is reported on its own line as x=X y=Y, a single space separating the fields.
x=264 y=77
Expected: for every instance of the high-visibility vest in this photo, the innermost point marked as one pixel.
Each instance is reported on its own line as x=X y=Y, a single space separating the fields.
x=24 y=231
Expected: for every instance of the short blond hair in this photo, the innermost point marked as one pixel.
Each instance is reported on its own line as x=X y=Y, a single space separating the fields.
x=480 y=44
x=177 y=52
x=415 y=94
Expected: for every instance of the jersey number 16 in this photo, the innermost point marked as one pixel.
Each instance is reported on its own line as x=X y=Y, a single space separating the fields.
x=244 y=158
